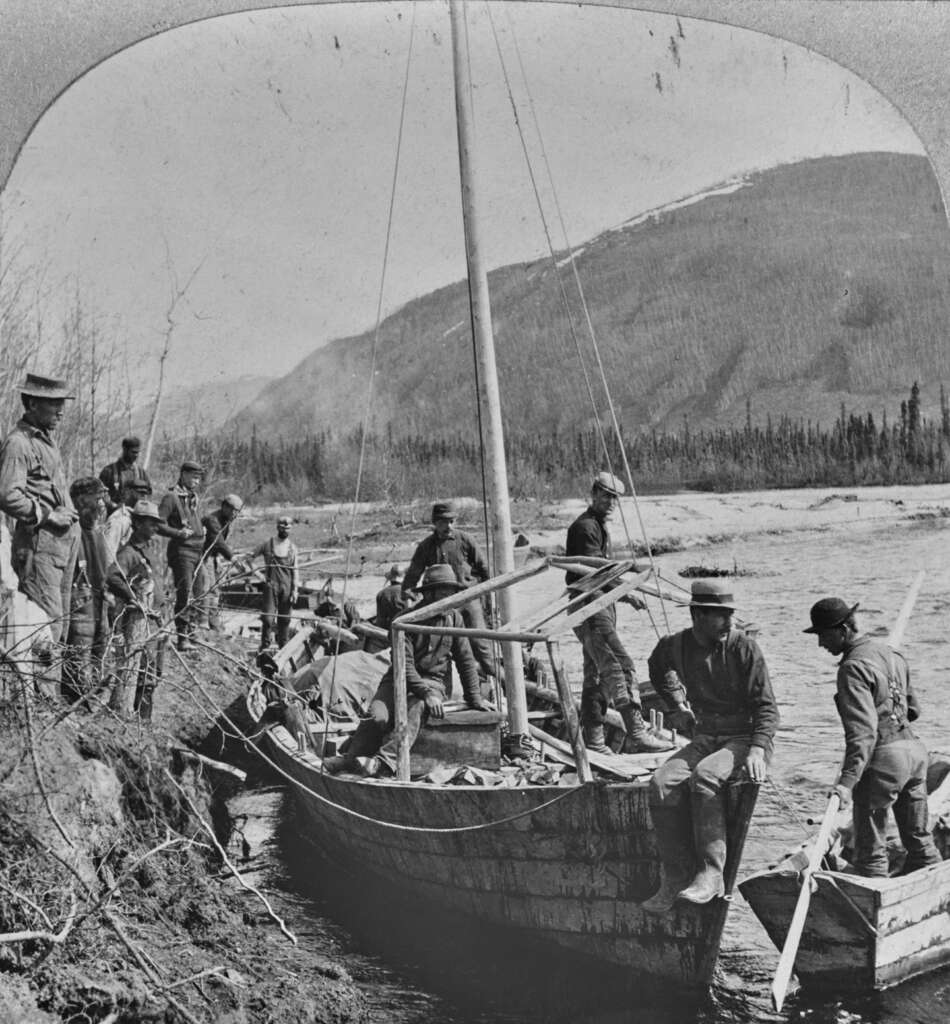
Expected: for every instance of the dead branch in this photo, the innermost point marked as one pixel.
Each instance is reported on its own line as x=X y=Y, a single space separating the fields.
x=52 y=937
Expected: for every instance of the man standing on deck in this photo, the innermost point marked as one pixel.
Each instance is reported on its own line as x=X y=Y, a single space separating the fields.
x=281 y=582
x=885 y=765
x=123 y=471
x=179 y=510
x=448 y=546
x=715 y=678
x=33 y=492
x=609 y=675
x=217 y=527
x=371 y=750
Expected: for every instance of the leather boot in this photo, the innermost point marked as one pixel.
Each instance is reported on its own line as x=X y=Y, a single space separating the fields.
x=639 y=737
x=709 y=834
x=594 y=739
x=671 y=832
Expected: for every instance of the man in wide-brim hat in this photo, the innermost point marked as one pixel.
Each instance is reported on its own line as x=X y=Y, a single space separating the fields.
x=885 y=765
x=33 y=492
x=715 y=678
x=371 y=750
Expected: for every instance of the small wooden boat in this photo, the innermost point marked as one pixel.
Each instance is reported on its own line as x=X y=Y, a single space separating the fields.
x=863 y=934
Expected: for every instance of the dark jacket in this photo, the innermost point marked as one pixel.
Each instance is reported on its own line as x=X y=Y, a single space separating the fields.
x=727 y=685
x=137 y=572
x=458 y=550
x=179 y=508
x=116 y=475
x=587 y=537
x=428 y=658
x=216 y=529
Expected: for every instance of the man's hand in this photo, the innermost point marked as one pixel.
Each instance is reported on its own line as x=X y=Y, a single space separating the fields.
x=434 y=705
x=634 y=601
x=185 y=532
x=479 y=704
x=293 y=596
x=755 y=765
x=59 y=520
x=685 y=717
x=843 y=794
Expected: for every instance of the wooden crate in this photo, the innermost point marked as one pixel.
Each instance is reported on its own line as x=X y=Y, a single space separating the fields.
x=462 y=737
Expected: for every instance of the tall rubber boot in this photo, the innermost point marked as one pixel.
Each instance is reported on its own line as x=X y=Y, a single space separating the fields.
x=709 y=835
x=671 y=831
x=641 y=739
x=595 y=740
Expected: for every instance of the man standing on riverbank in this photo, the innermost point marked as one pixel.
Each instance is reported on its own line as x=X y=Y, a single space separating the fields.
x=217 y=528
x=33 y=493
x=179 y=510
x=123 y=471
x=885 y=765
x=715 y=678
x=281 y=582
x=609 y=676
x=448 y=546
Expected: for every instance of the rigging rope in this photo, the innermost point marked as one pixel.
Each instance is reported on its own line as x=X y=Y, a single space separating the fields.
x=577 y=281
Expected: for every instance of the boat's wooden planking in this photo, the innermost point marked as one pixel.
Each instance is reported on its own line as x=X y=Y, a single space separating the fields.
x=573 y=873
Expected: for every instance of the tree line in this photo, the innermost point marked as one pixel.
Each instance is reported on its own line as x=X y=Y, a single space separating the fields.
x=855 y=450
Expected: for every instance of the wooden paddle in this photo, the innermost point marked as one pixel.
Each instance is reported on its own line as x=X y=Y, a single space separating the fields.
x=783 y=972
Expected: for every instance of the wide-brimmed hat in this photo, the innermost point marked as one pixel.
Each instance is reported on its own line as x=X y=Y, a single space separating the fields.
x=44 y=387
x=191 y=467
x=234 y=500
x=395 y=573
x=443 y=510
x=828 y=613
x=146 y=510
x=440 y=576
x=609 y=483
x=711 y=594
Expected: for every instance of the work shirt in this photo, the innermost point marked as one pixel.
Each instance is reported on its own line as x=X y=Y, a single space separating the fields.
x=280 y=564
x=458 y=549
x=727 y=685
x=216 y=530
x=136 y=575
x=179 y=508
x=390 y=601
x=117 y=475
x=587 y=537
x=875 y=701
x=32 y=480
x=428 y=659
x=118 y=529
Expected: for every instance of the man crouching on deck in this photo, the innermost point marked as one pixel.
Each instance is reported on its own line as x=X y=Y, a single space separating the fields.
x=371 y=750
x=885 y=765
x=716 y=678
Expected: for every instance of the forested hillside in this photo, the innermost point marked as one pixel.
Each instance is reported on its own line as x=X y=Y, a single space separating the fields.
x=816 y=285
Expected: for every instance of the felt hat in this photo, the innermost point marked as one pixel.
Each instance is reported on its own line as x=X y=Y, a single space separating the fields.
x=395 y=573
x=711 y=594
x=443 y=510
x=191 y=467
x=440 y=576
x=44 y=387
x=146 y=510
x=234 y=500
x=828 y=613
x=609 y=483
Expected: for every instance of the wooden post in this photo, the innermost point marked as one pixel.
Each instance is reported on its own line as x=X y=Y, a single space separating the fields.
x=400 y=703
x=499 y=510
x=570 y=713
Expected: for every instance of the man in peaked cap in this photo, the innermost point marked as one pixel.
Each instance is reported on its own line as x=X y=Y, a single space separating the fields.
x=447 y=545
x=217 y=527
x=33 y=493
x=715 y=678
x=884 y=765
x=371 y=750
x=179 y=510
x=609 y=675
x=126 y=469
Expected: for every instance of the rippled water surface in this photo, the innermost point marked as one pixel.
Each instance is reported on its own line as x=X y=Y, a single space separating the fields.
x=415 y=970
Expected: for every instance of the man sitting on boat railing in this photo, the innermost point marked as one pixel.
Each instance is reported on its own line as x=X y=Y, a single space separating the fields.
x=885 y=765
x=371 y=750
x=609 y=676
x=716 y=678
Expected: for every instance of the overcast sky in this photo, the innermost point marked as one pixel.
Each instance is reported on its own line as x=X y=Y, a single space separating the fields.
x=262 y=148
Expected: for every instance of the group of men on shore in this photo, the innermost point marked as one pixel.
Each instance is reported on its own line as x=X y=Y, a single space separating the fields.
x=89 y=568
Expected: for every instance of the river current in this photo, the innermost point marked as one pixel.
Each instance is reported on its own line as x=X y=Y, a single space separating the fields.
x=413 y=970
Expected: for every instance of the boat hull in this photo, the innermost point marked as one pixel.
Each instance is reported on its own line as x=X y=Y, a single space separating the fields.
x=566 y=866
x=861 y=934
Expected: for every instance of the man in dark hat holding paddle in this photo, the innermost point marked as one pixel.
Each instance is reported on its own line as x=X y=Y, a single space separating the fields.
x=371 y=750
x=885 y=765
x=33 y=492
x=715 y=678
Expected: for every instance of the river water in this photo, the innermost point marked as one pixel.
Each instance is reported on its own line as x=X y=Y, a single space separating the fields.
x=414 y=970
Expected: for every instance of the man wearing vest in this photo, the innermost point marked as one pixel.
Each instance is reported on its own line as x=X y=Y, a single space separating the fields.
x=125 y=470
x=715 y=678
x=179 y=510
x=609 y=676
x=281 y=582
x=885 y=765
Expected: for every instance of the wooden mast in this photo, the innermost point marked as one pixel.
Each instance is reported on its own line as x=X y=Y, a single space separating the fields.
x=489 y=399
